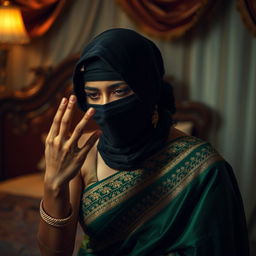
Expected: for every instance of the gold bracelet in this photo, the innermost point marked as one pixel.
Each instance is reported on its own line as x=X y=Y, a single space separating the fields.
x=54 y=221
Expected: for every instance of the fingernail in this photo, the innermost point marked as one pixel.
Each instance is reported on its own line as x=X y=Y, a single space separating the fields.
x=72 y=98
x=63 y=101
x=91 y=111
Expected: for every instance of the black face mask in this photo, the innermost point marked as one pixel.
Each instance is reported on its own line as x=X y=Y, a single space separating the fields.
x=126 y=131
x=124 y=122
x=128 y=137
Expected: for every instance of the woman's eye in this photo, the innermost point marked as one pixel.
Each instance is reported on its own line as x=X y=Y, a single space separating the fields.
x=121 y=92
x=92 y=96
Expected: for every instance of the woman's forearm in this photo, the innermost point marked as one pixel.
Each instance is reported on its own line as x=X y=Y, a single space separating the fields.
x=57 y=204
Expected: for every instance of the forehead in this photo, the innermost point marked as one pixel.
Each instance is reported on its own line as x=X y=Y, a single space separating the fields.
x=103 y=84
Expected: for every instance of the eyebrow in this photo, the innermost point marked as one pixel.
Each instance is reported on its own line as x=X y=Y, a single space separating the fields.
x=112 y=86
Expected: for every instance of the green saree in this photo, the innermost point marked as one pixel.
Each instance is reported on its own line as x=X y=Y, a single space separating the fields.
x=185 y=201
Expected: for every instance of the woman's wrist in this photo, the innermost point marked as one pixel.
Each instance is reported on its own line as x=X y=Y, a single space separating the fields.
x=55 y=186
x=56 y=197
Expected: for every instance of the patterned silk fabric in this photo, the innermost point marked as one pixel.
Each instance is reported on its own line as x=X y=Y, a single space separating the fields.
x=185 y=201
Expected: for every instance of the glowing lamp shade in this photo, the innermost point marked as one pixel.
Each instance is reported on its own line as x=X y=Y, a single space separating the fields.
x=12 y=29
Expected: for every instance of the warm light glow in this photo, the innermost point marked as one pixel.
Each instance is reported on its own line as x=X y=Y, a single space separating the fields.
x=12 y=29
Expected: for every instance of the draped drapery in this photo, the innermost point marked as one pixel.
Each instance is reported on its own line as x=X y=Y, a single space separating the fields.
x=166 y=19
x=67 y=36
x=247 y=9
x=39 y=16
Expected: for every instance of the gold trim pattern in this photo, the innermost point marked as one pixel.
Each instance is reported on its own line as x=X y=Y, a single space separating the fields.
x=175 y=191
x=154 y=186
x=122 y=186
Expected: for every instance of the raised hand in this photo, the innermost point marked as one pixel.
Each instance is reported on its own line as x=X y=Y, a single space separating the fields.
x=63 y=156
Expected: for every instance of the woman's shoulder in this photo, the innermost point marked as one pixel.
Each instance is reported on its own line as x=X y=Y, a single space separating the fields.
x=179 y=139
x=190 y=149
x=174 y=133
x=185 y=156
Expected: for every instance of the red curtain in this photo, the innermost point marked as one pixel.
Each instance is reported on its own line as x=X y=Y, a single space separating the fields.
x=166 y=18
x=247 y=9
x=39 y=15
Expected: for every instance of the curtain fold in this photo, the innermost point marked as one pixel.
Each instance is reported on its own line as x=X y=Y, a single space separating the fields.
x=247 y=10
x=39 y=16
x=166 y=19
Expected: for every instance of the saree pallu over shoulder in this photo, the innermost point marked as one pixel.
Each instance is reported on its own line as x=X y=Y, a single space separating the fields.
x=185 y=201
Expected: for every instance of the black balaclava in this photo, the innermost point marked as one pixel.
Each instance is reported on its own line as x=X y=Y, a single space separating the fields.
x=128 y=137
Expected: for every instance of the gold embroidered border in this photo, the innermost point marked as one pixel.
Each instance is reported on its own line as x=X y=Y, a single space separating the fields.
x=161 y=196
x=158 y=199
x=131 y=185
x=171 y=148
x=174 y=192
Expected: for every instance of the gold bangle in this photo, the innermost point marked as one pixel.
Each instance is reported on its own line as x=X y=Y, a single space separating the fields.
x=54 y=221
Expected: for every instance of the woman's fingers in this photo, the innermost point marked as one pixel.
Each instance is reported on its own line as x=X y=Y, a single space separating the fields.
x=67 y=117
x=78 y=131
x=89 y=143
x=55 y=127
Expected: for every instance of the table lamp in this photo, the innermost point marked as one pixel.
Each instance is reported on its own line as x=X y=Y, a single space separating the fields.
x=12 y=31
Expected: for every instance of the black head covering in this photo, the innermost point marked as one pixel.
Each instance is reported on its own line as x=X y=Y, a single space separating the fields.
x=135 y=58
x=123 y=53
x=98 y=70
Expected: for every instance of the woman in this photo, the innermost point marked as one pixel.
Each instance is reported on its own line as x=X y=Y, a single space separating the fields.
x=137 y=185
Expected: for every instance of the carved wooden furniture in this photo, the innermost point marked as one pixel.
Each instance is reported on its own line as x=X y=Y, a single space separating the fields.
x=25 y=118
